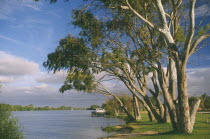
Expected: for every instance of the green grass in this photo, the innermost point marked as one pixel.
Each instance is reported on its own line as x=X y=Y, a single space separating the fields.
x=201 y=129
x=109 y=129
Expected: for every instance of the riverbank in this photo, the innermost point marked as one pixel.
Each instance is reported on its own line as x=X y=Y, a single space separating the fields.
x=146 y=130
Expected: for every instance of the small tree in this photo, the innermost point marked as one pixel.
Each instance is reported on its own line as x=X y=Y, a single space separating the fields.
x=93 y=107
x=9 y=127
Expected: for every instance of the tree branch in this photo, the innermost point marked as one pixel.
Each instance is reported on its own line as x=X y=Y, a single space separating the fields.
x=196 y=42
x=188 y=41
x=162 y=14
x=201 y=20
x=139 y=15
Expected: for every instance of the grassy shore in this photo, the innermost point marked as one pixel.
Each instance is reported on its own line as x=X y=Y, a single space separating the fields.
x=146 y=130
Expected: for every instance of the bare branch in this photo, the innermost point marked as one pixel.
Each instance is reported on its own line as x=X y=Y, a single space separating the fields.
x=162 y=14
x=196 y=42
x=201 y=20
x=191 y=31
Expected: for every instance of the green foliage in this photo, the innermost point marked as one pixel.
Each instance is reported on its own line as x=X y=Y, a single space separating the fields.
x=32 y=108
x=69 y=54
x=92 y=29
x=110 y=110
x=105 y=43
x=73 y=55
x=9 y=127
x=205 y=101
x=113 y=108
x=203 y=30
x=109 y=129
x=180 y=35
x=79 y=80
x=93 y=107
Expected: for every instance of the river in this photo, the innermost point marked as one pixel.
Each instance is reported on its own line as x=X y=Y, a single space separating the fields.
x=68 y=124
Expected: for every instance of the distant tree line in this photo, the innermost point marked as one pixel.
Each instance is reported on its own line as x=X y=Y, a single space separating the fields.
x=32 y=108
x=93 y=107
x=205 y=101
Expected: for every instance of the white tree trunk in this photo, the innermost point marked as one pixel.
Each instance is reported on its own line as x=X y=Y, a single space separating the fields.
x=193 y=112
x=137 y=114
x=183 y=103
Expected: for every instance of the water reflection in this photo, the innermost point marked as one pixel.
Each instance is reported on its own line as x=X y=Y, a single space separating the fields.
x=77 y=124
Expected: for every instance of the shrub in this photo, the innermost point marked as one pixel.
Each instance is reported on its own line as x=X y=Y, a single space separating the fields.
x=9 y=127
x=109 y=129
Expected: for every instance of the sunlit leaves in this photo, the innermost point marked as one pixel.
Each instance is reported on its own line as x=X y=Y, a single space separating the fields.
x=79 y=80
x=70 y=53
x=203 y=30
x=180 y=35
x=92 y=29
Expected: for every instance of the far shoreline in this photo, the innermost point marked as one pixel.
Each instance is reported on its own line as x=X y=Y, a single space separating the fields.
x=44 y=108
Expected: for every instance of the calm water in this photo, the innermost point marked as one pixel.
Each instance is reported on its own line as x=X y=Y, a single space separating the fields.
x=77 y=124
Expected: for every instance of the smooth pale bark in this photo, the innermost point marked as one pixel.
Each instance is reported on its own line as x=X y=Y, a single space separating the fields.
x=166 y=114
x=184 y=110
x=160 y=107
x=156 y=95
x=136 y=108
x=134 y=89
x=180 y=112
x=123 y=107
x=193 y=111
x=172 y=86
x=150 y=113
x=152 y=117
x=153 y=110
x=169 y=101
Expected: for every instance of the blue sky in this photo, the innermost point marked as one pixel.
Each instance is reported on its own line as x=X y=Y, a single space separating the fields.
x=30 y=30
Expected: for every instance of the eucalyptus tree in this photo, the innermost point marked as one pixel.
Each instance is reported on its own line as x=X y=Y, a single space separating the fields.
x=169 y=23
x=113 y=46
x=129 y=40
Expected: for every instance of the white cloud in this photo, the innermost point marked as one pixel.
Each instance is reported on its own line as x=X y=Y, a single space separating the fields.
x=9 y=7
x=39 y=90
x=48 y=96
x=50 y=78
x=6 y=79
x=34 y=7
x=198 y=81
x=11 y=65
x=201 y=10
x=10 y=39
